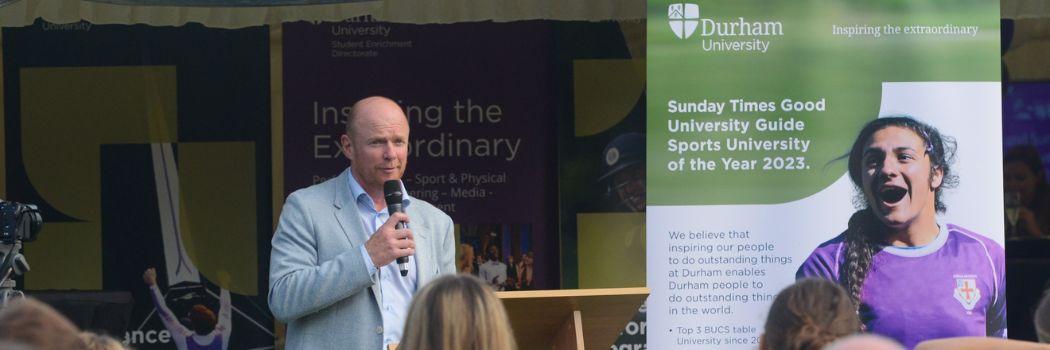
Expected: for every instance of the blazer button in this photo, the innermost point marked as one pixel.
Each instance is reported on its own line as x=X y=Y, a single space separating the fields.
x=379 y=330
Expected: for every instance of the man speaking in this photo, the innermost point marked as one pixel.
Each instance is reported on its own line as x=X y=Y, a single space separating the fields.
x=333 y=279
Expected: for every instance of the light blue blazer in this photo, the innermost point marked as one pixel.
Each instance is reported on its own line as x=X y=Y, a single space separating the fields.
x=319 y=284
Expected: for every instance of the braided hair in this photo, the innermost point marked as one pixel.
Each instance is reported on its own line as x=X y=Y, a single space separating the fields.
x=808 y=315
x=865 y=234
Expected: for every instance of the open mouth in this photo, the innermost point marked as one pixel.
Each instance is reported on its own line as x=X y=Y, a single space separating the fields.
x=891 y=194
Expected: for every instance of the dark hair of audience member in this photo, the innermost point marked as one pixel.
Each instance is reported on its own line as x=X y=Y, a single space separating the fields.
x=457 y=312
x=30 y=323
x=808 y=315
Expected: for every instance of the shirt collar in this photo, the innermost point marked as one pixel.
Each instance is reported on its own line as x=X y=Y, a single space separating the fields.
x=930 y=248
x=360 y=196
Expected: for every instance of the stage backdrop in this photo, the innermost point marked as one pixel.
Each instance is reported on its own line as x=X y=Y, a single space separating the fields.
x=1026 y=117
x=600 y=72
x=481 y=146
x=145 y=147
x=751 y=107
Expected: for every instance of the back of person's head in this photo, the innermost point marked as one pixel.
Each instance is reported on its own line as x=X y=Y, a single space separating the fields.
x=1042 y=318
x=202 y=319
x=95 y=341
x=457 y=312
x=808 y=315
x=32 y=324
x=864 y=342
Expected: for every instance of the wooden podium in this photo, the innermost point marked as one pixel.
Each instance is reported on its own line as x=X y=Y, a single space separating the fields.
x=571 y=318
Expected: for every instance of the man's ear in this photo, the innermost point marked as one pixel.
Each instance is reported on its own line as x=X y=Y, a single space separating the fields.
x=762 y=342
x=347 y=146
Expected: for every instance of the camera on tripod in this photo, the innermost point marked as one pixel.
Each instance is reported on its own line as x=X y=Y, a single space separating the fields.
x=18 y=222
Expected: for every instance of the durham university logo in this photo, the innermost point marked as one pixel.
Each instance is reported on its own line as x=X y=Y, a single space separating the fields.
x=683 y=19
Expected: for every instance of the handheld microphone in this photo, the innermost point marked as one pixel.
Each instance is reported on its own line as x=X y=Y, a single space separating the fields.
x=394 y=203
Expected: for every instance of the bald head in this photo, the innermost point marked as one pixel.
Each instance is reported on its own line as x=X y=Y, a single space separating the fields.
x=371 y=105
x=864 y=342
x=376 y=143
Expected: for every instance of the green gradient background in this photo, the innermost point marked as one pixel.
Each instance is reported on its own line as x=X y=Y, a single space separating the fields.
x=806 y=63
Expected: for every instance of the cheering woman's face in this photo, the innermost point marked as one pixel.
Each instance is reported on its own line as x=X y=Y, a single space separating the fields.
x=897 y=180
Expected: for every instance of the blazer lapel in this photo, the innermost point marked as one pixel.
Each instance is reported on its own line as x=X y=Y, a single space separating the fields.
x=425 y=268
x=346 y=211
x=350 y=221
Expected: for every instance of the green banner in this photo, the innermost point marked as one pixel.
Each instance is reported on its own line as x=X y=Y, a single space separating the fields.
x=754 y=103
x=753 y=108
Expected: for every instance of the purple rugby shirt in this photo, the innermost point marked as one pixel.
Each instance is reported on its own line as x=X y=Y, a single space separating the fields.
x=952 y=287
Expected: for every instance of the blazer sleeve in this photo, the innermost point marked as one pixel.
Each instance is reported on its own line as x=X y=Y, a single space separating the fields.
x=447 y=254
x=300 y=283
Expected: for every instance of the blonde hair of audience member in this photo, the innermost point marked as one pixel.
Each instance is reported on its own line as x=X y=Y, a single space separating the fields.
x=865 y=341
x=465 y=258
x=95 y=341
x=457 y=312
x=1042 y=318
x=30 y=323
x=808 y=315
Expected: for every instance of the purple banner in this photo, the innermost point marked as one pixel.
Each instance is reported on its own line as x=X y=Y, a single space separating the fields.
x=1026 y=116
x=478 y=104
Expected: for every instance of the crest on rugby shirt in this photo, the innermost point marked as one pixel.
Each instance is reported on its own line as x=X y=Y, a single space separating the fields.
x=966 y=291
